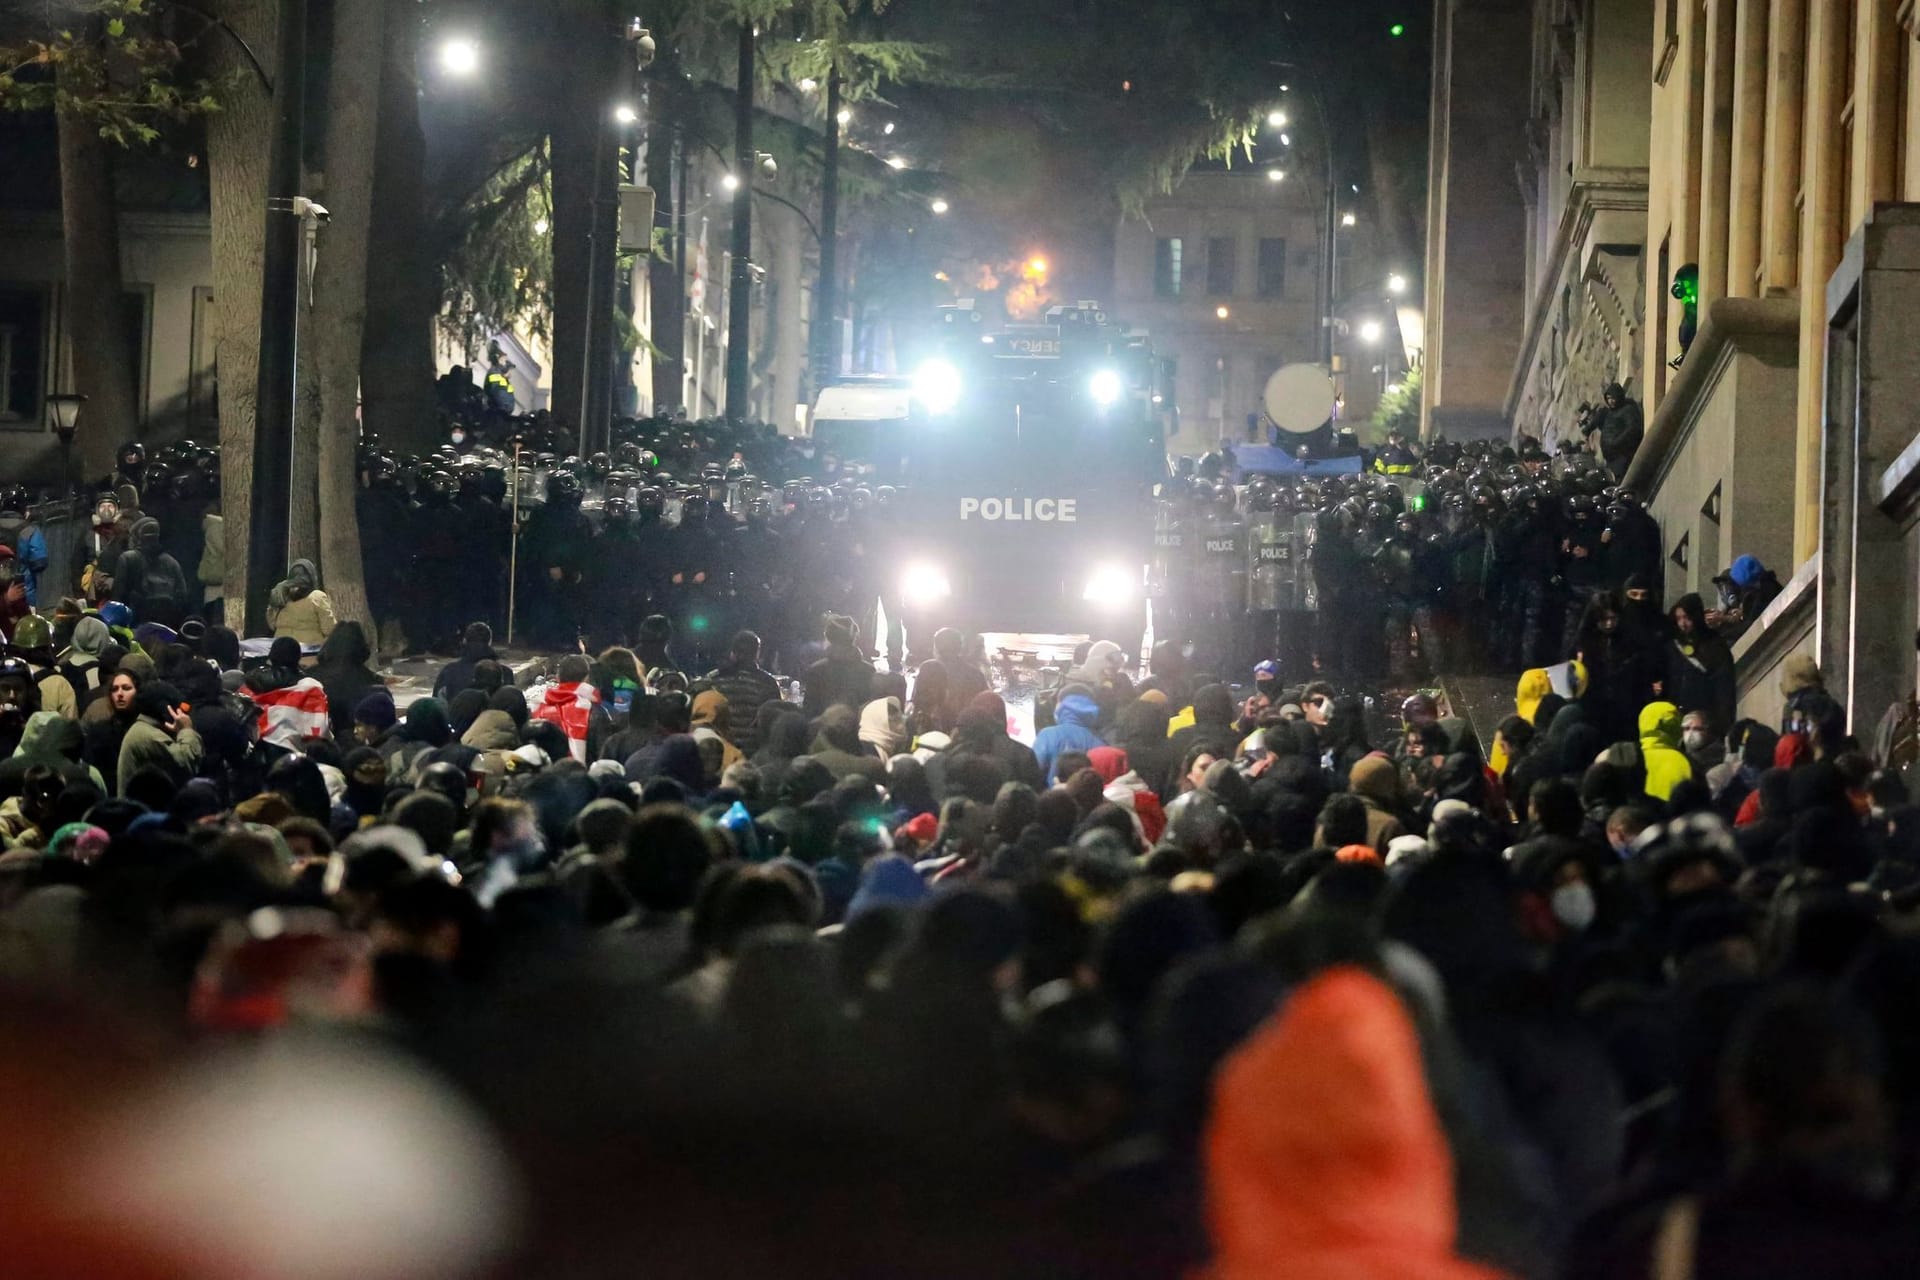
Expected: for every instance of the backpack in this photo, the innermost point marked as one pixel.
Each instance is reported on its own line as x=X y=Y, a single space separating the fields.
x=155 y=585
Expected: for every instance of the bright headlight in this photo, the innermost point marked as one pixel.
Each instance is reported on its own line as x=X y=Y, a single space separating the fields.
x=1104 y=387
x=936 y=385
x=925 y=584
x=1111 y=585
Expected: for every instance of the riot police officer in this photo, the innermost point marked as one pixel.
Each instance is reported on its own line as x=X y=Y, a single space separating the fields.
x=556 y=548
x=1223 y=588
x=1167 y=589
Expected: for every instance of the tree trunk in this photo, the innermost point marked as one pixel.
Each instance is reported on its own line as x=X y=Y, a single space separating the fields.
x=576 y=154
x=668 y=324
x=786 y=316
x=239 y=137
x=340 y=295
x=103 y=371
x=825 y=333
x=303 y=500
x=402 y=299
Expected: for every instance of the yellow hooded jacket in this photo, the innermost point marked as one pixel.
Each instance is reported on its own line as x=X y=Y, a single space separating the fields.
x=1667 y=765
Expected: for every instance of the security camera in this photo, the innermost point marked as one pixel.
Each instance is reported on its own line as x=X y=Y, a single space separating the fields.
x=643 y=44
x=768 y=169
x=305 y=208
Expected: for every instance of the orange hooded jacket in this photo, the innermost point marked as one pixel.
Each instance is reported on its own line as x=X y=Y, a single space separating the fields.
x=1325 y=1159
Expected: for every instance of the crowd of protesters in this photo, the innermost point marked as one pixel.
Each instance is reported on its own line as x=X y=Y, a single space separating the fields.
x=666 y=964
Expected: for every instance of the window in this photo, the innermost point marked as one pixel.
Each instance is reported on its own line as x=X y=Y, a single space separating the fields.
x=1166 y=267
x=1273 y=267
x=1220 y=267
x=23 y=331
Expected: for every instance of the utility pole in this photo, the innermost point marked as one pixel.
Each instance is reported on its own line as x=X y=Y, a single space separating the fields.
x=272 y=499
x=740 y=277
x=826 y=291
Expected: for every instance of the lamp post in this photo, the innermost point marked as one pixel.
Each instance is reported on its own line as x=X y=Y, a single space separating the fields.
x=63 y=413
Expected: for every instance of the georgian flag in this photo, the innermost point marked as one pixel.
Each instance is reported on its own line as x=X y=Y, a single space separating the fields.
x=571 y=707
x=293 y=715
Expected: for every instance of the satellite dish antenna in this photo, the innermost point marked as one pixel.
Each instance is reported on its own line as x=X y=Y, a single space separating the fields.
x=1299 y=397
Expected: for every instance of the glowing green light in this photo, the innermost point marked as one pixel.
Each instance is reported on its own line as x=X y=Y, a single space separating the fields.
x=697 y=622
x=1419 y=502
x=1397 y=29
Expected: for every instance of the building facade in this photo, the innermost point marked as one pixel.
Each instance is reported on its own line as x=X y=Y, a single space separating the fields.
x=1477 y=226
x=1782 y=139
x=1584 y=188
x=1224 y=273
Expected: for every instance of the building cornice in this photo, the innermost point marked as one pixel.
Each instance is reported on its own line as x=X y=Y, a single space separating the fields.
x=1594 y=192
x=1726 y=326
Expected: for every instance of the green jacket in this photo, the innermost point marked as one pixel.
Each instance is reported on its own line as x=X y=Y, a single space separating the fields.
x=149 y=745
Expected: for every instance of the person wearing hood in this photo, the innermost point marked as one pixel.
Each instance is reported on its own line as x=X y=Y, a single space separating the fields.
x=426 y=727
x=1666 y=764
x=148 y=579
x=1377 y=782
x=844 y=677
x=343 y=672
x=713 y=721
x=1141 y=731
x=1074 y=718
x=980 y=734
x=836 y=744
x=1699 y=665
x=679 y=761
x=1359 y=1185
x=497 y=728
x=161 y=737
x=883 y=727
x=1122 y=784
x=1103 y=671
x=946 y=683
x=81 y=663
x=1211 y=729
x=785 y=738
x=476 y=647
x=55 y=742
x=297 y=607
x=1620 y=425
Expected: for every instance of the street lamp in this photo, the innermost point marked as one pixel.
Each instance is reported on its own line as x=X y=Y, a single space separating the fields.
x=1348 y=220
x=939 y=205
x=896 y=162
x=63 y=410
x=1221 y=313
x=460 y=56
x=729 y=182
x=625 y=114
x=887 y=128
x=1277 y=119
x=1276 y=175
x=844 y=116
x=1370 y=331
x=1396 y=283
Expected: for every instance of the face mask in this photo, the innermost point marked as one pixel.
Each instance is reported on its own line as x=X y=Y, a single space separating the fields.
x=1695 y=739
x=1573 y=905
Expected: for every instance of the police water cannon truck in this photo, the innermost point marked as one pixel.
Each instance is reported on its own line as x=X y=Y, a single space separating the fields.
x=1028 y=456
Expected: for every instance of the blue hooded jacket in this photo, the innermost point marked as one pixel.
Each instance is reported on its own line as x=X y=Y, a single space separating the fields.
x=1071 y=730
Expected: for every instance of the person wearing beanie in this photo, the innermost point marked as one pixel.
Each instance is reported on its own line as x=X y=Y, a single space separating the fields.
x=844 y=677
x=373 y=717
x=148 y=579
